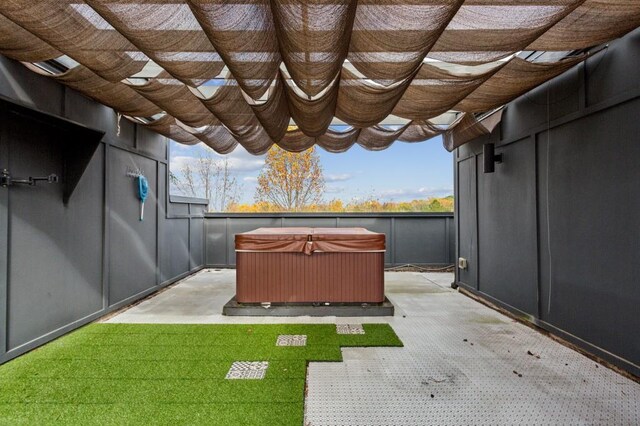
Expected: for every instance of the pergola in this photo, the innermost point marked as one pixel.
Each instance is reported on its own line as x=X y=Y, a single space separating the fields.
x=383 y=323
x=293 y=73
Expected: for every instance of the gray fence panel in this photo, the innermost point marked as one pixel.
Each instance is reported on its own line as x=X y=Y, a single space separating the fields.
x=312 y=222
x=507 y=239
x=133 y=269
x=421 y=239
x=215 y=241
x=375 y=224
x=451 y=239
x=71 y=263
x=553 y=234
x=4 y=239
x=179 y=209
x=466 y=200
x=196 y=242
x=177 y=250
x=55 y=251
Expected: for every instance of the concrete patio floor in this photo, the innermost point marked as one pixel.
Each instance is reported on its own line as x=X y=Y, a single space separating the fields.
x=463 y=363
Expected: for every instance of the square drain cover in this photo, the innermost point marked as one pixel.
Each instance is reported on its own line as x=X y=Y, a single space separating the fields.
x=349 y=329
x=248 y=370
x=292 y=340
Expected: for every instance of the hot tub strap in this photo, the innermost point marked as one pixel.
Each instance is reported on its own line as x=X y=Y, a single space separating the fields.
x=308 y=247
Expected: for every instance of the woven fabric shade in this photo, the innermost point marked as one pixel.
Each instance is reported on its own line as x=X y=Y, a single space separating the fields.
x=240 y=72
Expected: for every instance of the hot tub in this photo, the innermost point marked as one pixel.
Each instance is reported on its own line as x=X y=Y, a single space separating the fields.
x=310 y=265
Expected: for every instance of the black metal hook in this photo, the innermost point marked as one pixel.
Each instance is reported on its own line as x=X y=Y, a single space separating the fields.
x=6 y=179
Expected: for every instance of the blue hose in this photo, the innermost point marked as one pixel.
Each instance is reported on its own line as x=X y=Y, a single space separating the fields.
x=143 y=192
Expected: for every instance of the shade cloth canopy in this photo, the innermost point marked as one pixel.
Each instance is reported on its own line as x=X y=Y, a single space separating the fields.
x=229 y=72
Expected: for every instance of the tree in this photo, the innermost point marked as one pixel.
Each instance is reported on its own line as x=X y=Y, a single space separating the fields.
x=227 y=189
x=184 y=183
x=291 y=181
x=435 y=205
x=208 y=177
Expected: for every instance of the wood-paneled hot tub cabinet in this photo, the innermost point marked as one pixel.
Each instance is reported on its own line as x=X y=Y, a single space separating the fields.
x=309 y=265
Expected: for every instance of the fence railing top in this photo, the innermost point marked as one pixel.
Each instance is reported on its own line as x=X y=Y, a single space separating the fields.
x=328 y=214
x=178 y=199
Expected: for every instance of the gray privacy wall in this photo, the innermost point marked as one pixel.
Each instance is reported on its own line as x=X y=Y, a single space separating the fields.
x=415 y=238
x=554 y=233
x=62 y=266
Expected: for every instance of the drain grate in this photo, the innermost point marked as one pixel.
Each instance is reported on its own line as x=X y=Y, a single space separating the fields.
x=349 y=329
x=292 y=340
x=248 y=370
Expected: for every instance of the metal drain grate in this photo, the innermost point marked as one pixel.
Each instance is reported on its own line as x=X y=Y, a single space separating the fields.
x=248 y=370
x=349 y=329
x=292 y=340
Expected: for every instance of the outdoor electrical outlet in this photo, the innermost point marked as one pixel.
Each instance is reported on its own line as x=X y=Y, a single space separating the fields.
x=462 y=263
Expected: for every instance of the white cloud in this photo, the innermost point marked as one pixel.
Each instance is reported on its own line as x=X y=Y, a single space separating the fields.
x=337 y=177
x=251 y=179
x=175 y=146
x=334 y=189
x=239 y=160
x=393 y=193
x=437 y=192
x=179 y=161
x=411 y=194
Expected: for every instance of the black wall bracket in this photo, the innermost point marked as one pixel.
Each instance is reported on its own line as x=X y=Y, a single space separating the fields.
x=7 y=180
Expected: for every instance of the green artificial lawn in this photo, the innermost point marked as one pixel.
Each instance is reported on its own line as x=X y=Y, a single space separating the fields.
x=114 y=374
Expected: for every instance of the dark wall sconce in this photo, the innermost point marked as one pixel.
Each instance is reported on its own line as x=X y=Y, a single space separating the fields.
x=490 y=157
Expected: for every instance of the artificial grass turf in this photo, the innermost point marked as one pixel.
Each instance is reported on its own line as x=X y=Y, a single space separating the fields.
x=170 y=374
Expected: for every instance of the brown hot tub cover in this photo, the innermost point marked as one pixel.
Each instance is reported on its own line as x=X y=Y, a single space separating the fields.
x=310 y=240
x=310 y=265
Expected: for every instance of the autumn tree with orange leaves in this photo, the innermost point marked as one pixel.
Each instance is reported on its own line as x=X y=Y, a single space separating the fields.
x=291 y=181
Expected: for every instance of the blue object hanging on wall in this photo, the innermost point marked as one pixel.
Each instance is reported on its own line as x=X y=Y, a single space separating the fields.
x=143 y=192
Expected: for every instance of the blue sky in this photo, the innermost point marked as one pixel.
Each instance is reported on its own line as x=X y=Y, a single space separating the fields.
x=404 y=171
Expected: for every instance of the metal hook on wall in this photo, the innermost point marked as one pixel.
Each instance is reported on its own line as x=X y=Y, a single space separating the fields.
x=134 y=173
x=6 y=179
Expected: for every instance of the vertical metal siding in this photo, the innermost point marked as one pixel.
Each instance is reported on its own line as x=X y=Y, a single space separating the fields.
x=558 y=221
x=321 y=277
x=70 y=245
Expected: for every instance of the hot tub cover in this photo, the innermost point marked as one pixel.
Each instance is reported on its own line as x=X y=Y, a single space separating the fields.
x=309 y=240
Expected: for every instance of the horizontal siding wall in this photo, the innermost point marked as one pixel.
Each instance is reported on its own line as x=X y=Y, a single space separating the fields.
x=553 y=234
x=74 y=263
x=411 y=238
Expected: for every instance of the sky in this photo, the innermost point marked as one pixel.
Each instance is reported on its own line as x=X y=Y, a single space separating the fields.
x=402 y=172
